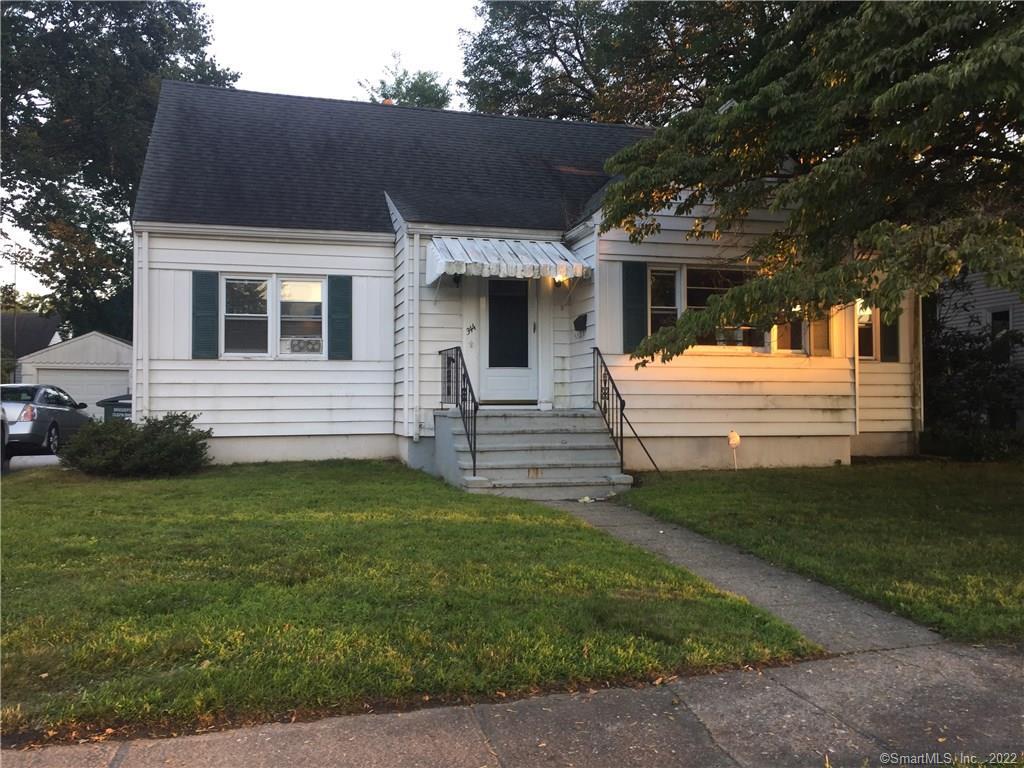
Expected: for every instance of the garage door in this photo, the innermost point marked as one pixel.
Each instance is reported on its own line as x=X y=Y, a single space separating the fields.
x=86 y=385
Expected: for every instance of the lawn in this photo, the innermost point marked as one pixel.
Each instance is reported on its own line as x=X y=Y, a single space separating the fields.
x=939 y=542
x=258 y=592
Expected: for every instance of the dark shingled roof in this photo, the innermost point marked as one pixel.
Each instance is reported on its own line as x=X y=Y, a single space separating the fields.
x=24 y=332
x=221 y=156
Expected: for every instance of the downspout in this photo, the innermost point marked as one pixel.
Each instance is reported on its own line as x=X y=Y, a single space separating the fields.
x=136 y=324
x=917 y=371
x=144 y=316
x=416 y=334
x=856 y=373
x=406 y=373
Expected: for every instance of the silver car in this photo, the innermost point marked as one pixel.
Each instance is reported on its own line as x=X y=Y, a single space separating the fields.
x=40 y=418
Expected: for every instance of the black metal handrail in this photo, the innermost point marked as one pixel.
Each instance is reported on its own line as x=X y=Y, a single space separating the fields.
x=611 y=404
x=457 y=390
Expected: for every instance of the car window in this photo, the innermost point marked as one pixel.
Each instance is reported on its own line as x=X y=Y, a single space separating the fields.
x=52 y=397
x=18 y=394
x=65 y=398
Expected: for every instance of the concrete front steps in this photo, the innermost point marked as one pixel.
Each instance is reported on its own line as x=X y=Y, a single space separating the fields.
x=544 y=455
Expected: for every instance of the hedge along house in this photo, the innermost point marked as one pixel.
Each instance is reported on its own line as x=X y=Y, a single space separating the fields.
x=322 y=278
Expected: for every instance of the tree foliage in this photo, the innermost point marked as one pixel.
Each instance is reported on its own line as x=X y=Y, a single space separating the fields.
x=611 y=61
x=891 y=134
x=973 y=378
x=80 y=83
x=411 y=89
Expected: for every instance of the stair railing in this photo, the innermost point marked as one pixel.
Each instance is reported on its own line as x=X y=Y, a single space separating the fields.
x=609 y=401
x=457 y=390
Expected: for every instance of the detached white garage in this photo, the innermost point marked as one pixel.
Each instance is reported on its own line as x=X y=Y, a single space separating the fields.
x=90 y=367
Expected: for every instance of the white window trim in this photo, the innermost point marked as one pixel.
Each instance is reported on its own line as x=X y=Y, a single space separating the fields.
x=770 y=346
x=222 y=314
x=278 y=279
x=273 y=281
x=678 y=272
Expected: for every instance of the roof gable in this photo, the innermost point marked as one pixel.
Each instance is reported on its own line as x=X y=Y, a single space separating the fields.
x=226 y=157
x=91 y=347
x=25 y=332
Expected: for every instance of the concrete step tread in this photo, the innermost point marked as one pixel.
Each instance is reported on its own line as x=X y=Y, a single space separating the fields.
x=546 y=465
x=480 y=448
x=552 y=415
x=538 y=430
x=583 y=482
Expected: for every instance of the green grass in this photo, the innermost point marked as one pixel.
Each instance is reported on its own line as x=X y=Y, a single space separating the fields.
x=248 y=592
x=939 y=542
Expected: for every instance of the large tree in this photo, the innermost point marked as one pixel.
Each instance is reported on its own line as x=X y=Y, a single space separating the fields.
x=79 y=90
x=412 y=89
x=891 y=133
x=611 y=61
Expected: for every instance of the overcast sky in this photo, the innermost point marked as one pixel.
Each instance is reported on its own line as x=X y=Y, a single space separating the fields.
x=320 y=48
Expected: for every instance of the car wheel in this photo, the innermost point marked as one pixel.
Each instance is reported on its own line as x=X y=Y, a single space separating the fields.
x=53 y=439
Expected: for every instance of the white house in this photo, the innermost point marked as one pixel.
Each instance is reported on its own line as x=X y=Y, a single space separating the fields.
x=323 y=278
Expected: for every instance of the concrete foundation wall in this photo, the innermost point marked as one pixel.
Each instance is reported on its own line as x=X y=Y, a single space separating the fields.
x=674 y=453
x=883 y=444
x=418 y=454
x=241 y=450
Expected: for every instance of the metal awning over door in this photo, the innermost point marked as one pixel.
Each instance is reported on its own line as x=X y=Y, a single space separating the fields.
x=488 y=257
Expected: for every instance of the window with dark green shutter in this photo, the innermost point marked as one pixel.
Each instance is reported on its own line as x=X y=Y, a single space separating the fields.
x=339 y=317
x=634 y=304
x=205 y=301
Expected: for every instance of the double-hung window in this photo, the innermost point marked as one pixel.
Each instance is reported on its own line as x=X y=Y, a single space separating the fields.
x=876 y=340
x=273 y=316
x=703 y=283
x=302 y=317
x=663 y=298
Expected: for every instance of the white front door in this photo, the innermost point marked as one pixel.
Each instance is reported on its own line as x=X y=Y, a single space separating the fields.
x=508 y=349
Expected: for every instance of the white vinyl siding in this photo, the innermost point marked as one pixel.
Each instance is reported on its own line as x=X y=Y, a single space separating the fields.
x=887 y=388
x=263 y=396
x=709 y=391
x=577 y=376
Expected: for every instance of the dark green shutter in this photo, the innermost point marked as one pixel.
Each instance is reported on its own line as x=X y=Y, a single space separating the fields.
x=205 y=300
x=339 y=317
x=889 y=336
x=634 y=304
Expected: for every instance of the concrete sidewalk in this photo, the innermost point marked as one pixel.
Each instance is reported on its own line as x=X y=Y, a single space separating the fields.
x=895 y=688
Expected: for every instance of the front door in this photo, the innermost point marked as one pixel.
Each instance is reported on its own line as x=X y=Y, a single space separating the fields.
x=509 y=351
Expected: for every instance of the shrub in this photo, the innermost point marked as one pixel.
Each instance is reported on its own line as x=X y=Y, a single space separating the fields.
x=977 y=444
x=169 y=445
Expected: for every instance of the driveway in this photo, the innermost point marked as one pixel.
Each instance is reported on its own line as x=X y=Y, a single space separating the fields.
x=19 y=463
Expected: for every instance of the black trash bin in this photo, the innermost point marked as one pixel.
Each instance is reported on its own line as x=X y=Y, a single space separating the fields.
x=119 y=407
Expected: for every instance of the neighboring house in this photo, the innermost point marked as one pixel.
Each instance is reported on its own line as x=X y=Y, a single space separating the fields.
x=89 y=367
x=980 y=306
x=301 y=263
x=976 y=306
x=22 y=333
